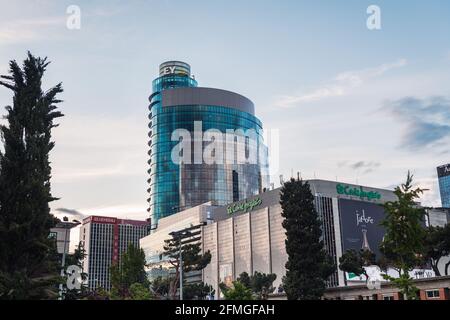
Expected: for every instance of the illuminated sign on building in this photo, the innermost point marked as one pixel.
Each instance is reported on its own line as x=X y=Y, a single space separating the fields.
x=357 y=192
x=246 y=206
x=174 y=67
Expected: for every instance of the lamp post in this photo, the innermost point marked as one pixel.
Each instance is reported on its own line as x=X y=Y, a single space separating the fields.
x=189 y=235
x=66 y=225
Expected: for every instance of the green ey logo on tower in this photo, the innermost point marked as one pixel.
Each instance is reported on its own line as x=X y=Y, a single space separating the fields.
x=357 y=192
x=244 y=206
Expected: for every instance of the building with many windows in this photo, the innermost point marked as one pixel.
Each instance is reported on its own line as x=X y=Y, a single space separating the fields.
x=444 y=184
x=248 y=235
x=105 y=239
x=205 y=144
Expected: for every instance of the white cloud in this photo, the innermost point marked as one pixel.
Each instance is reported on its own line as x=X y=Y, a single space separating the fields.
x=341 y=85
x=96 y=147
x=24 y=30
x=33 y=29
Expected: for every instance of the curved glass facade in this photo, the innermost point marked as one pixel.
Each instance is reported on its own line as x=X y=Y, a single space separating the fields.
x=177 y=186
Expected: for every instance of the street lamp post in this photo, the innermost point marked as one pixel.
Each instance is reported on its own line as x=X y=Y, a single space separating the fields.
x=66 y=225
x=181 y=274
x=189 y=235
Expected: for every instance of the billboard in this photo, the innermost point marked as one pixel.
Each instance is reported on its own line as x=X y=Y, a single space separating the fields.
x=360 y=225
x=374 y=273
x=226 y=275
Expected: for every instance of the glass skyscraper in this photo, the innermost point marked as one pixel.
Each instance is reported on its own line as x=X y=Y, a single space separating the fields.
x=205 y=144
x=444 y=184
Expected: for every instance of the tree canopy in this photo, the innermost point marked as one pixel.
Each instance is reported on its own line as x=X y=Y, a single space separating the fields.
x=192 y=256
x=260 y=283
x=28 y=269
x=403 y=242
x=130 y=271
x=437 y=246
x=353 y=261
x=308 y=266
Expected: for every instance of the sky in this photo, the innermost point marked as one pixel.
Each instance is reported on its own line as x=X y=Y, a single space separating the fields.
x=351 y=104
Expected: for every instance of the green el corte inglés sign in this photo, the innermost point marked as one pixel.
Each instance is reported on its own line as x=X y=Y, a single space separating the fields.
x=357 y=192
x=246 y=206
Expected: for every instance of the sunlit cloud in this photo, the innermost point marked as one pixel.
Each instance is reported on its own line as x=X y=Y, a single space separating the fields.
x=341 y=85
x=99 y=147
x=34 y=29
x=25 y=30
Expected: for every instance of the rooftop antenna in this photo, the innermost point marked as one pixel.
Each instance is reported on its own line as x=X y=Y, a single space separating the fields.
x=298 y=175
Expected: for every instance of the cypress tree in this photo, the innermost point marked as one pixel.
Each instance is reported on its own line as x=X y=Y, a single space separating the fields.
x=308 y=266
x=28 y=258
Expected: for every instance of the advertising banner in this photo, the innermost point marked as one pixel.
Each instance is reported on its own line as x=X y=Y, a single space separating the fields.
x=374 y=273
x=360 y=225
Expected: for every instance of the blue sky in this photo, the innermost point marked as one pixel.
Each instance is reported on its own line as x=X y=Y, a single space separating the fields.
x=358 y=105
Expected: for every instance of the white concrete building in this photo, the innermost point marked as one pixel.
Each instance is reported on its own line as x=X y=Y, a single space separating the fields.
x=248 y=235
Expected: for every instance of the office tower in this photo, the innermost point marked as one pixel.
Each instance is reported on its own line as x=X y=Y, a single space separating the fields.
x=105 y=239
x=205 y=144
x=444 y=184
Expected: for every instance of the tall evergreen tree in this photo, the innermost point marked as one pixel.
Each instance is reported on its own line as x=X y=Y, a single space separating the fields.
x=28 y=258
x=308 y=266
x=76 y=259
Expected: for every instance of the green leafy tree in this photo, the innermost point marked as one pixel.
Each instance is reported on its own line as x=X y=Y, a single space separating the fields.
x=308 y=266
x=403 y=242
x=245 y=279
x=261 y=284
x=237 y=291
x=130 y=270
x=197 y=291
x=28 y=258
x=353 y=261
x=193 y=260
x=160 y=287
x=437 y=246
x=97 y=294
x=138 y=291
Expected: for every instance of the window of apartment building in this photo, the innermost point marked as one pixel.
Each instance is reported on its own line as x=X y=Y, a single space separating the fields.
x=388 y=297
x=433 y=294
